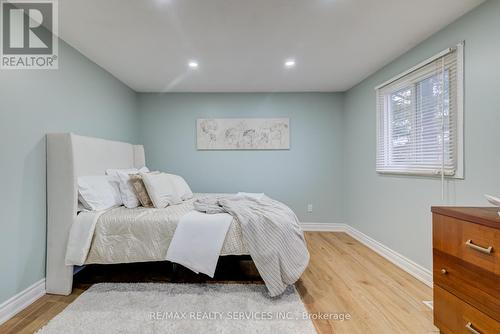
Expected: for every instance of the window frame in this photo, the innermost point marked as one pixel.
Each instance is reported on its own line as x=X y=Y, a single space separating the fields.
x=459 y=171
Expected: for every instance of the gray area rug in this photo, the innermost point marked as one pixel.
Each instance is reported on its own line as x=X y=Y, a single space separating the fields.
x=181 y=308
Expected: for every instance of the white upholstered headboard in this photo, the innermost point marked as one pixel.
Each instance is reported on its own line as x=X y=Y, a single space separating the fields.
x=70 y=156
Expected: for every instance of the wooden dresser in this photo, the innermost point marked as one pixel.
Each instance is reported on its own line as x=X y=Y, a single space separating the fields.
x=466 y=269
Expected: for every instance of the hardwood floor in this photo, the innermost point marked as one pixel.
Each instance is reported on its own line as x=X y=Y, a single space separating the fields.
x=343 y=277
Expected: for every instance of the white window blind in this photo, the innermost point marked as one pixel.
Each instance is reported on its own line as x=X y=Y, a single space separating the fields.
x=419 y=118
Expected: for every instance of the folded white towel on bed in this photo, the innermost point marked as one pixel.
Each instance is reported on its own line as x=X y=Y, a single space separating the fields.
x=198 y=241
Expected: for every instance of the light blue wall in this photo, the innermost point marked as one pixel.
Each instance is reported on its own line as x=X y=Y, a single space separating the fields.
x=395 y=210
x=79 y=97
x=310 y=172
x=331 y=163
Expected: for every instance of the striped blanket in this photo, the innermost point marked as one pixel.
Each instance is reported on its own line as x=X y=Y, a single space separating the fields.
x=271 y=233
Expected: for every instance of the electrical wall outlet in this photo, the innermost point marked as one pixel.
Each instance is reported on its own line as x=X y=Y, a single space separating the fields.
x=309 y=208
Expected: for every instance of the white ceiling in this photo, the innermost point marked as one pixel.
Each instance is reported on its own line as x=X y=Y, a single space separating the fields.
x=241 y=45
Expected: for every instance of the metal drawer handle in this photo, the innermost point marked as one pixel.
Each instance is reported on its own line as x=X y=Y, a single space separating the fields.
x=471 y=329
x=479 y=248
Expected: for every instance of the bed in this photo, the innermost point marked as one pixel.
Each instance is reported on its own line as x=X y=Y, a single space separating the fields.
x=272 y=233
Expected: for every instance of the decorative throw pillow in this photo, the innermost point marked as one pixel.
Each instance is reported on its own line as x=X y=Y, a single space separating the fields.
x=161 y=189
x=181 y=187
x=127 y=191
x=140 y=190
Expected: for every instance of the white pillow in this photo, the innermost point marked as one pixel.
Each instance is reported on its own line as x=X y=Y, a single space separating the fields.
x=99 y=192
x=81 y=202
x=181 y=186
x=161 y=189
x=115 y=171
x=127 y=191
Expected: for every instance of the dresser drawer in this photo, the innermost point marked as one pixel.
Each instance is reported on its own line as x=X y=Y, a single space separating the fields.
x=473 y=243
x=454 y=316
x=476 y=286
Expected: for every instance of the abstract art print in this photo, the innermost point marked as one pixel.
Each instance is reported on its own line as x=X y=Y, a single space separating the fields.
x=243 y=133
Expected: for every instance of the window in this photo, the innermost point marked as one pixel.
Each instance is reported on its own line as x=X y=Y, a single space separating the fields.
x=420 y=116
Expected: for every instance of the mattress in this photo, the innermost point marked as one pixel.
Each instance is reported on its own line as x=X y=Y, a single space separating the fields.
x=142 y=234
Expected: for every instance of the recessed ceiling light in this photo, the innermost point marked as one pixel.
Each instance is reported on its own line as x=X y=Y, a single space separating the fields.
x=193 y=64
x=289 y=63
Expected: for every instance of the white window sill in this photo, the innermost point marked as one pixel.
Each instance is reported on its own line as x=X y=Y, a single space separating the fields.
x=457 y=176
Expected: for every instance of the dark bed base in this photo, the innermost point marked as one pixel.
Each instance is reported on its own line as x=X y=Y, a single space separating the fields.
x=237 y=269
x=231 y=258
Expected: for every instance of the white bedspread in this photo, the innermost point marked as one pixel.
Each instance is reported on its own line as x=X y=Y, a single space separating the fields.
x=198 y=241
x=122 y=235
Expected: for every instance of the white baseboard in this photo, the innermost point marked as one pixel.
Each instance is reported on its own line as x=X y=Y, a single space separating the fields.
x=422 y=274
x=323 y=227
x=23 y=299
